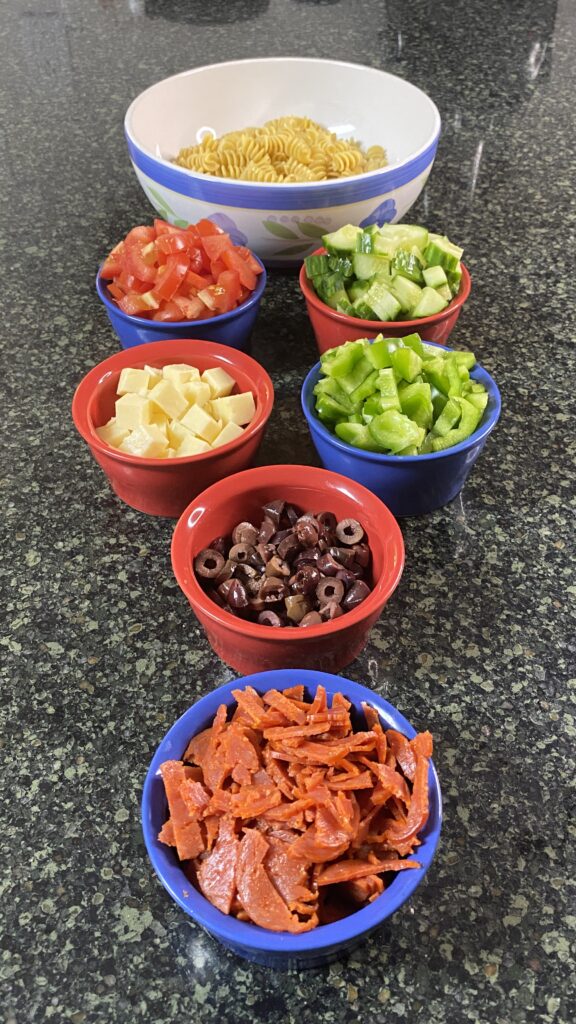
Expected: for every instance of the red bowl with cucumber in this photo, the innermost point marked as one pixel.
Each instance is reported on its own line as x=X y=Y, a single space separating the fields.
x=389 y=280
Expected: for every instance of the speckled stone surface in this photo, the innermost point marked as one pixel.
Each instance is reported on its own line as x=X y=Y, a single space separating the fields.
x=100 y=652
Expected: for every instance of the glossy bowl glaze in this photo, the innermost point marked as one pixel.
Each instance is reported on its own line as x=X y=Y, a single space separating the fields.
x=280 y=950
x=248 y=646
x=332 y=328
x=164 y=487
x=411 y=485
x=282 y=222
x=233 y=329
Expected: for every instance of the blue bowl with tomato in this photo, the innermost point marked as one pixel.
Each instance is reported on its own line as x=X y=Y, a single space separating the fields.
x=163 y=282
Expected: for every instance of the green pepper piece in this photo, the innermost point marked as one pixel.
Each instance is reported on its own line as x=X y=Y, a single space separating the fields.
x=330 y=386
x=379 y=352
x=478 y=400
x=416 y=402
x=426 y=446
x=452 y=372
x=394 y=431
x=358 y=435
x=411 y=449
x=386 y=385
x=438 y=403
x=329 y=410
x=467 y=359
x=434 y=371
x=406 y=363
x=414 y=341
x=469 y=420
x=337 y=362
x=448 y=419
x=365 y=389
x=351 y=380
x=372 y=407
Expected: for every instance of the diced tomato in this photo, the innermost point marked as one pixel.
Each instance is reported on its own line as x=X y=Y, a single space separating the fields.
x=216 y=268
x=214 y=245
x=196 y=258
x=174 y=273
x=230 y=281
x=205 y=228
x=170 y=311
x=113 y=263
x=217 y=298
x=162 y=227
x=198 y=280
x=190 y=308
x=235 y=262
x=115 y=291
x=141 y=234
x=136 y=263
x=134 y=305
x=171 y=243
x=247 y=255
x=128 y=283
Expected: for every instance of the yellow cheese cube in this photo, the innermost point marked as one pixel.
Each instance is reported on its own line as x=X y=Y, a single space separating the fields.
x=219 y=382
x=177 y=433
x=170 y=453
x=235 y=408
x=154 y=375
x=169 y=399
x=228 y=433
x=132 y=381
x=147 y=441
x=160 y=420
x=180 y=373
x=196 y=392
x=133 y=411
x=192 y=446
x=111 y=433
x=201 y=423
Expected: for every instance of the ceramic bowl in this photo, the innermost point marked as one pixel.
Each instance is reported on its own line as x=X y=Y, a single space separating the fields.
x=233 y=329
x=248 y=646
x=164 y=487
x=282 y=222
x=411 y=485
x=332 y=328
x=280 y=950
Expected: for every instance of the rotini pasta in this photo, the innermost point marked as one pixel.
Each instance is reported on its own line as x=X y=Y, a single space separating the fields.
x=284 y=149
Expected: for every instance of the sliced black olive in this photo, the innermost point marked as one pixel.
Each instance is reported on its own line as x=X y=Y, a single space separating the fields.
x=330 y=589
x=343 y=555
x=272 y=590
x=234 y=593
x=289 y=547
x=327 y=520
x=209 y=563
x=357 y=593
x=349 y=531
x=362 y=554
x=328 y=565
x=220 y=544
x=307 y=531
x=273 y=510
x=240 y=552
x=269 y=618
x=244 y=533
x=297 y=606
x=266 y=531
x=277 y=567
x=330 y=610
x=305 y=580
x=311 y=619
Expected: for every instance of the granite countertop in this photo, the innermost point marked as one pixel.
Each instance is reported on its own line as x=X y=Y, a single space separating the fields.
x=100 y=651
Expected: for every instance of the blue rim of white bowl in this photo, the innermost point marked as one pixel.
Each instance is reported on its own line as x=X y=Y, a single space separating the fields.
x=142 y=321
x=308 y=195
x=487 y=424
x=250 y=936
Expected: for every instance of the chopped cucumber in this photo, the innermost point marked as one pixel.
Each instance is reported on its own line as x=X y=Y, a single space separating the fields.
x=406 y=292
x=381 y=301
x=343 y=240
x=356 y=289
x=441 y=252
x=407 y=265
x=434 y=277
x=366 y=265
x=430 y=303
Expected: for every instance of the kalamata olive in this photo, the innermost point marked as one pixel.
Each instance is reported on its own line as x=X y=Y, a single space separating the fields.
x=309 y=556
x=252 y=585
x=266 y=531
x=220 y=544
x=349 y=531
x=240 y=552
x=305 y=580
x=269 y=618
x=348 y=578
x=244 y=533
x=281 y=535
x=327 y=520
x=273 y=510
x=357 y=593
x=291 y=514
x=242 y=570
x=266 y=551
x=330 y=610
x=307 y=531
x=289 y=548
x=277 y=567
x=297 y=606
x=228 y=570
x=327 y=565
x=272 y=590
x=362 y=554
x=311 y=619
x=357 y=569
x=209 y=563
x=330 y=589
x=234 y=593
x=257 y=605
x=343 y=555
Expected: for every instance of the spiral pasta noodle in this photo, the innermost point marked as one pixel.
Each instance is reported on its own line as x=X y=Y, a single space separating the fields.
x=286 y=149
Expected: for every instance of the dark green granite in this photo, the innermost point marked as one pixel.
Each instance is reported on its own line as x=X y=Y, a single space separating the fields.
x=100 y=650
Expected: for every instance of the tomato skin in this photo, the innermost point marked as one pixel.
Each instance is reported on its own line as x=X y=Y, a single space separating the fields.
x=168 y=283
x=141 y=234
x=171 y=243
x=230 y=281
x=216 y=268
x=115 y=291
x=137 y=265
x=206 y=227
x=214 y=245
x=190 y=308
x=133 y=305
x=235 y=262
x=169 y=312
x=248 y=256
x=198 y=280
x=162 y=227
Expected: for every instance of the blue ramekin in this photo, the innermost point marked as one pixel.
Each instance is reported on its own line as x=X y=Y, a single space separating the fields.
x=233 y=329
x=278 y=949
x=410 y=485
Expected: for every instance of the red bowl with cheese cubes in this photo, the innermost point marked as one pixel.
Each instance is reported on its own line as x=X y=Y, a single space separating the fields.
x=162 y=440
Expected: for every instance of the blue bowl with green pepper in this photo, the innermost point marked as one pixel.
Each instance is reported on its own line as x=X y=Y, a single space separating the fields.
x=410 y=485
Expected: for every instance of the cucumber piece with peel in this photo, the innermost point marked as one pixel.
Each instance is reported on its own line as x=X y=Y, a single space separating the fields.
x=342 y=240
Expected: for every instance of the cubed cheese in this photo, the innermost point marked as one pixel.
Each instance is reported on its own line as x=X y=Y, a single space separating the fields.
x=177 y=433
x=235 y=408
x=147 y=441
x=154 y=375
x=133 y=411
x=228 y=433
x=168 y=398
x=192 y=446
x=132 y=381
x=180 y=373
x=196 y=392
x=219 y=382
x=111 y=433
x=201 y=423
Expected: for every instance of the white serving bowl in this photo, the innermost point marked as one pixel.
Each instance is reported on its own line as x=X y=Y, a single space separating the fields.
x=283 y=222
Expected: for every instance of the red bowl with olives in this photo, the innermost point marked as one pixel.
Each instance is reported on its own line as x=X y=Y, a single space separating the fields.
x=287 y=566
